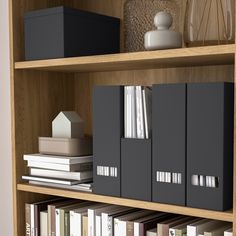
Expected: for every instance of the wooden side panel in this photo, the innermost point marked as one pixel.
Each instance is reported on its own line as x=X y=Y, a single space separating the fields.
x=38 y=97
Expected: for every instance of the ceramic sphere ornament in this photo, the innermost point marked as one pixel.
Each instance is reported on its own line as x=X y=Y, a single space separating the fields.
x=163 y=37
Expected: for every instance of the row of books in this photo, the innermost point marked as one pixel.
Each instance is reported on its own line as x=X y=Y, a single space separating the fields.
x=60 y=171
x=65 y=217
x=137 y=111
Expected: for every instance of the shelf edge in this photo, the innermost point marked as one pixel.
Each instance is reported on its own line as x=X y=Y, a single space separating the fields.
x=216 y=215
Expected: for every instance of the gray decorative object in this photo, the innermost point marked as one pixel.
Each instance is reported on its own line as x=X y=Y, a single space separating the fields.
x=138 y=19
x=162 y=37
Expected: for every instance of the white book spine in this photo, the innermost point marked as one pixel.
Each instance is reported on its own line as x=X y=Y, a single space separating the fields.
x=172 y=232
x=145 y=114
x=32 y=227
x=98 y=226
x=91 y=222
x=58 y=232
x=191 y=230
x=133 y=112
x=122 y=228
x=104 y=224
x=116 y=227
x=227 y=233
x=43 y=224
x=110 y=225
x=73 y=224
x=139 y=112
x=129 y=119
x=136 y=229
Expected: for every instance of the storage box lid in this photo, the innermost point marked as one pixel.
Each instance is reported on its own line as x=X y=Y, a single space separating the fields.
x=69 y=11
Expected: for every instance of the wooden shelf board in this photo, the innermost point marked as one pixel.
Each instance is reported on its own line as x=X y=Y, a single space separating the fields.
x=224 y=216
x=182 y=57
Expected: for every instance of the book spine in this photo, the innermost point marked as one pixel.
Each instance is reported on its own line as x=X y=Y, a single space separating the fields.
x=53 y=221
x=27 y=220
x=32 y=218
x=91 y=222
x=110 y=226
x=104 y=224
x=67 y=224
x=116 y=227
x=58 y=225
x=36 y=217
x=130 y=228
x=85 y=226
x=98 y=226
x=136 y=229
x=172 y=232
x=72 y=222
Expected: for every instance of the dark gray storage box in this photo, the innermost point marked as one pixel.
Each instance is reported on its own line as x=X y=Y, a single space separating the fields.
x=169 y=143
x=65 y=32
x=136 y=169
x=108 y=128
x=210 y=109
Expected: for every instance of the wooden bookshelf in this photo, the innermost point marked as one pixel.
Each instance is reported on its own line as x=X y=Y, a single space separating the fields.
x=198 y=56
x=225 y=216
x=40 y=89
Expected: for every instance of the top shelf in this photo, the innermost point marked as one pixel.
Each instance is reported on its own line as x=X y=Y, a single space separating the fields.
x=182 y=57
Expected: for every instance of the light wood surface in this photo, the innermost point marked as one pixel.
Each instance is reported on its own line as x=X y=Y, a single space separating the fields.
x=211 y=55
x=224 y=216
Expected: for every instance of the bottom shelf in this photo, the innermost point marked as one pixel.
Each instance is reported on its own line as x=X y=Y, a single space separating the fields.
x=215 y=215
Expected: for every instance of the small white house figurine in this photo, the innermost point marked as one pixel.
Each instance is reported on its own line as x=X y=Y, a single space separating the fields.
x=163 y=37
x=68 y=124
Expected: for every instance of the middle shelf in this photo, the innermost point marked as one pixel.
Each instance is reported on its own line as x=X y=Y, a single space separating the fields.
x=216 y=215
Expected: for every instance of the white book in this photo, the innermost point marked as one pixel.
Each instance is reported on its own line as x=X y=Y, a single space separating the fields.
x=66 y=160
x=92 y=219
x=57 y=212
x=125 y=112
x=44 y=223
x=78 y=187
x=228 y=232
x=76 y=221
x=32 y=218
x=120 y=222
x=55 y=166
x=98 y=225
x=147 y=110
x=183 y=226
x=200 y=227
x=133 y=111
x=152 y=232
x=128 y=118
x=49 y=180
x=139 y=113
x=61 y=174
x=108 y=219
x=73 y=224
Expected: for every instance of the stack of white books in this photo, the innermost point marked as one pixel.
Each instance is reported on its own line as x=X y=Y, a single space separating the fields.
x=137 y=112
x=60 y=171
